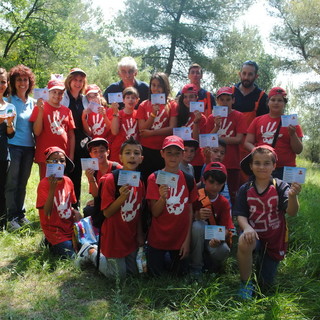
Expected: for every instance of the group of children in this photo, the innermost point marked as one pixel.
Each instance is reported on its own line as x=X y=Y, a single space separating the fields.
x=206 y=182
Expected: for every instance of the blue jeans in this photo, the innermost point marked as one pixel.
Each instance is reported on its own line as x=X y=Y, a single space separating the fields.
x=63 y=249
x=17 y=179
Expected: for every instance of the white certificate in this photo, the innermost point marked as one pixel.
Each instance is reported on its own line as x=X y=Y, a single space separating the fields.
x=94 y=107
x=208 y=140
x=221 y=111
x=183 y=132
x=131 y=178
x=55 y=169
x=115 y=97
x=196 y=105
x=89 y=163
x=41 y=93
x=158 y=98
x=215 y=232
x=167 y=178
x=294 y=174
x=290 y=119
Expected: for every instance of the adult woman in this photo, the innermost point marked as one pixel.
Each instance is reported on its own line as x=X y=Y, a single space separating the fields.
x=21 y=146
x=75 y=84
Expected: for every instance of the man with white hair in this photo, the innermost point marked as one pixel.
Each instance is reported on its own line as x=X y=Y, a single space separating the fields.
x=127 y=71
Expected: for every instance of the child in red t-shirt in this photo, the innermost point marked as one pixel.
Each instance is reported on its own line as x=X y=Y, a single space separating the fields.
x=121 y=231
x=53 y=124
x=124 y=123
x=55 y=197
x=172 y=213
x=211 y=209
x=231 y=130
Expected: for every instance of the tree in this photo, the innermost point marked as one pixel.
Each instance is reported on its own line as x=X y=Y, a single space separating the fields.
x=178 y=30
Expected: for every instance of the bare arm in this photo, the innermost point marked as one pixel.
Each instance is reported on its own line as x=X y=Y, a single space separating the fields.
x=185 y=248
x=84 y=118
x=72 y=142
x=115 y=119
x=233 y=140
x=250 y=141
x=38 y=124
x=295 y=141
x=249 y=234
x=293 y=203
x=157 y=206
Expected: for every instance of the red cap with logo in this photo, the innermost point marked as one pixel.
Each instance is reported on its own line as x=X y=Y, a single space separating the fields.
x=218 y=166
x=173 y=141
x=49 y=151
x=190 y=88
x=92 y=88
x=77 y=70
x=224 y=90
x=55 y=84
x=277 y=90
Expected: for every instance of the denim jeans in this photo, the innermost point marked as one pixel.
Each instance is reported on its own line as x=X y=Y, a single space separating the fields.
x=17 y=179
x=63 y=249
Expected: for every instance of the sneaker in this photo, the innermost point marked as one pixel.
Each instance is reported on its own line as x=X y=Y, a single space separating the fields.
x=83 y=255
x=24 y=221
x=246 y=290
x=14 y=225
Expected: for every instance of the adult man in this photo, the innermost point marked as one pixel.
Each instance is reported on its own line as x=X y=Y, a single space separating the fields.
x=127 y=71
x=195 y=74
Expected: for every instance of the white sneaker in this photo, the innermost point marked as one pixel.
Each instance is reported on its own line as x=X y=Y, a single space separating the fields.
x=83 y=255
x=24 y=221
x=14 y=225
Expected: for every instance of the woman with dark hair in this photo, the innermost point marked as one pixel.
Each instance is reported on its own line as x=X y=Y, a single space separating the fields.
x=21 y=146
x=74 y=99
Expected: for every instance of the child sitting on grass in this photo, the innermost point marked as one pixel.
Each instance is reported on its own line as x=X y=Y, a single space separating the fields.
x=260 y=208
x=54 y=199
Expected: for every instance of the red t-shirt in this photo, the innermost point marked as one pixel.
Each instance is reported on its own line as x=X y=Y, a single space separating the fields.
x=264 y=128
x=128 y=126
x=119 y=232
x=169 y=230
x=56 y=124
x=98 y=126
x=230 y=127
x=162 y=120
x=199 y=158
x=58 y=227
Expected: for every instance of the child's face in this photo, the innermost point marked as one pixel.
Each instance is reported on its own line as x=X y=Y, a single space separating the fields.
x=130 y=101
x=212 y=187
x=99 y=152
x=131 y=157
x=57 y=157
x=276 y=104
x=262 y=165
x=188 y=97
x=217 y=154
x=55 y=97
x=188 y=154
x=93 y=97
x=172 y=157
x=225 y=100
x=156 y=86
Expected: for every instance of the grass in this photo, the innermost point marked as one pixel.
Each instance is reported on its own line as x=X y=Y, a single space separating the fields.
x=34 y=285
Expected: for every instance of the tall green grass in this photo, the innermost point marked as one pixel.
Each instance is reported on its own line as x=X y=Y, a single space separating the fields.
x=35 y=285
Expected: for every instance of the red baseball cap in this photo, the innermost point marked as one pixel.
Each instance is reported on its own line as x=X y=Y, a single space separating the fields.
x=245 y=162
x=55 y=84
x=92 y=88
x=277 y=90
x=224 y=90
x=190 y=88
x=77 y=70
x=49 y=151
x=217 y=166
x=173 y=141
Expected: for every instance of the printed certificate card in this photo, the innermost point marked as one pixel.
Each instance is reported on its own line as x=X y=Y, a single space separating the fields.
x=94 y=107
x=55 y=169
x=167 y=178
x=294 y=174
x=215 y=232
x=89 y=163
x=158 y=98
x=196 y=105
x=41 y=93
x=183 y=132
x=220 y=111
x=208 y=140
x=290 y=119
x=131 y=178
x=115 y=97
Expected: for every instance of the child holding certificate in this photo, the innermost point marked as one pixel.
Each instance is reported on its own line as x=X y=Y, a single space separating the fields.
x=211 y=209
x=268 y=129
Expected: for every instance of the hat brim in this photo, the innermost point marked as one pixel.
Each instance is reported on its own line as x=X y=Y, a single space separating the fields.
x=57 y=88
x=173 y=145
x=245 y=164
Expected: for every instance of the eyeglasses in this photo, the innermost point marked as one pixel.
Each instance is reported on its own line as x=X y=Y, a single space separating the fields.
x=56 y=161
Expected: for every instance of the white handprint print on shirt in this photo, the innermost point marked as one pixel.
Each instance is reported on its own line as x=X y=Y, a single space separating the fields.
x=268 y=133
x=56 y=123
x=174 y=205
x=222 y=132
x=130 y=129
x=62 y=205
x=98 y=125
x=157 y=124
x=127 y=212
